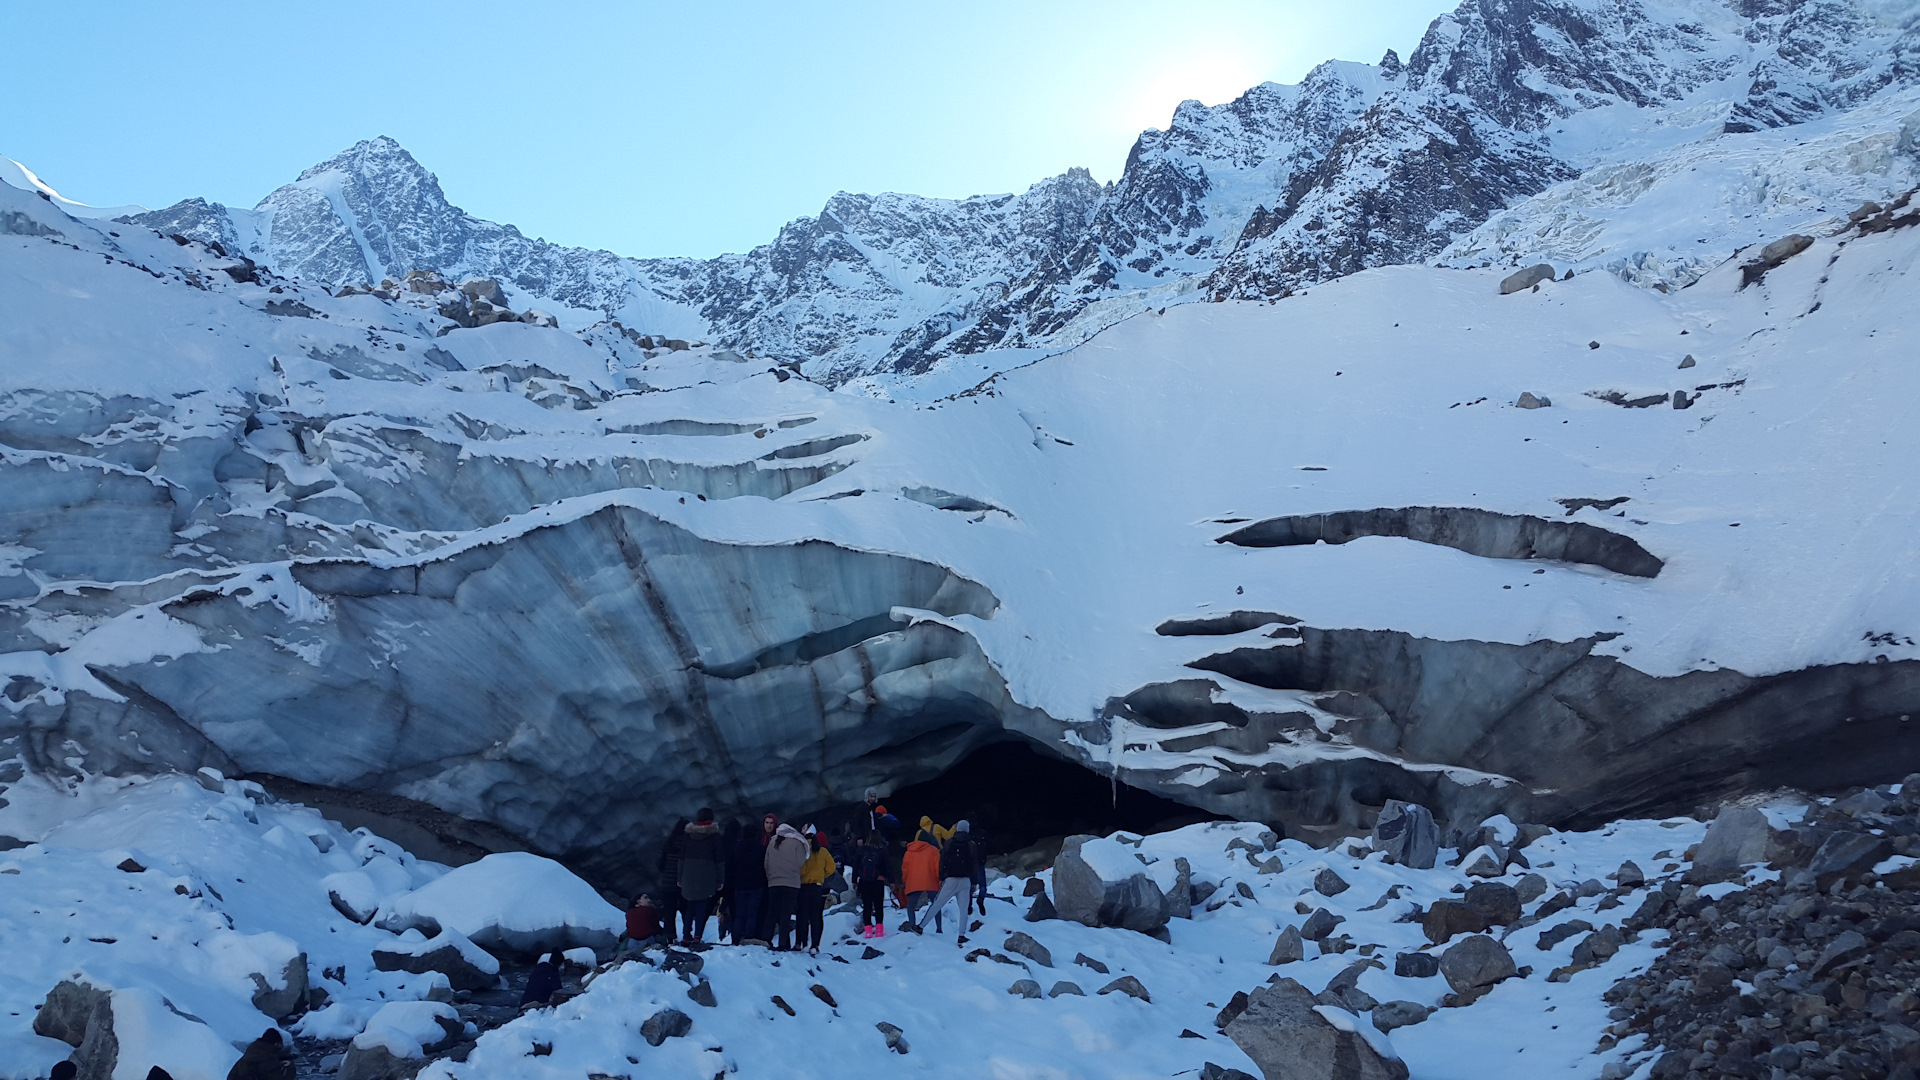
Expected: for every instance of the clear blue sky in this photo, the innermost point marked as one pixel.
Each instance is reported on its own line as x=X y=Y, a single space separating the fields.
x=645 y=128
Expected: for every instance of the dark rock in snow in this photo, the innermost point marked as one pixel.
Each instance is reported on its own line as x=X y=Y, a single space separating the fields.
x=1398 y=1014
x=1476 y=961
x=1025 y=945
x=1128 y=985
x=1408 y=834
x=1320 y=924
x=1080 y=894
x=1416 y=965
x=1284 y=1034
x=1328 y=883
x=666 y=1024
x=1288 y=948
x=1522 y=280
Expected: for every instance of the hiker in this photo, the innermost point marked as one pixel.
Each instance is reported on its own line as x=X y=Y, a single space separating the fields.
x=878 y=820
x=643 y=925
x=265 y=1058
x=786 y=856
x=747 y=879
x=814 y=874
x=670 y=903
x=703 y=869
x=727 y=905
x=920 y=875
x=542 y=982
x=939 y=834
x=870 y=881
x=978 y=839
x=957 y=861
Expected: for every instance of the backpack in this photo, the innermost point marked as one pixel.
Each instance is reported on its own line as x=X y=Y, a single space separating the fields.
x=957 y=858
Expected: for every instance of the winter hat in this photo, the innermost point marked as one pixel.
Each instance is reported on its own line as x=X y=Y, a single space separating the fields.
x=704 y=816
x=789 y=832
x=872 y=794
x=960 y=826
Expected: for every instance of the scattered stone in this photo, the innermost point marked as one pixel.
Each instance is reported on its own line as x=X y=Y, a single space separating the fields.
x=896 y=1039
x=1025 y=988
x=1235 y=1005
x=1629 y=876
x=1447 y=918
x=1849 y=946
x=1042 y=908
x=289 y=996
x=701 y=993
x=1287 y=1035
x=1024 y=945
x=1529 y=401
x=1398 y=1014
x=1128 y=985
x=1320 y=924
x=1089 y=962
x=1687 y=361
x=685 y=964
x=131 y=867
x=871 y=953
x=1180 y=900
x=1497 y=903
x=1845 y=857
x=1337 y=944
x=1328 y=883
x=781 y=1003
x=825 y=995
x=1522 y=280
x=1531 y=887
x=672 y=1023
x=1737 y=837
x=1290 y=947
x=1599 y=946
x=1483 y=863
x=1065 y=987
x=1476 y=961
x=1416 y=965
x=1571 y=928
x=1034 y=887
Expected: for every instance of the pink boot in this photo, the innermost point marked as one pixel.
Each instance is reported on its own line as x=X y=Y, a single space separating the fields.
x=879 y=930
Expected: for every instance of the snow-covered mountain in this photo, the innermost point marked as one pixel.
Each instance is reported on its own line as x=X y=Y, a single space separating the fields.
x=1445 y=156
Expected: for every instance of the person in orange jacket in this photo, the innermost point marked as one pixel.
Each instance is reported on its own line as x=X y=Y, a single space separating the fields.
x=920 y=875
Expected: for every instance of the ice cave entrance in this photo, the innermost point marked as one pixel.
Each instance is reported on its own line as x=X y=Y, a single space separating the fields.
x=1027 y=801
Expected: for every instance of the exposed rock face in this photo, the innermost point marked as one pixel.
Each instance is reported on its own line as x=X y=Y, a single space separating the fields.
x=1476 y=532
x=81 y=1015
x=1408 y=834
x=1283 y=1032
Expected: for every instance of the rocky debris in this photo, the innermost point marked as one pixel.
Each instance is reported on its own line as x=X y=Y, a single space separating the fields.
x=781 y=1004
x=871 y=953
x=1598 y=947
x=1343 y=990
x=1180 y=899
x=1398 y=1014
x=666 y=1024
x=1281 y=1028
x=1066 y=987
x=1530 y=887
x=1827 y=973
x=1328 y=883
x=1416 y=965
x=1408 y=834
x=1528 y=400
x=1847 y=856
x=1476 y=962
x=1080 y=894
x=1495 y=902
x=1089 y=962
x=896 y=1039
x=466 y=965
x=1561 y=932
x=1025 y=988
x=1128 y=985
x=684 y=964
x=81 y=1015
x=1042 y=909
x=1871 y=217
x=486 y=289
x=1522 y=280
x=1289 y=947
x=1210 y=1071
x=825 y=995
x=1738 y=837
x=1772 y=256
x=1446 y=918
x=1025 y=945
x=1320 y=924
x=701 y=993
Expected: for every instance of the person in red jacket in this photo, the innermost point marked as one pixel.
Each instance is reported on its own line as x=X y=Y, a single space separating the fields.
x=920 y=877
x=643 y=923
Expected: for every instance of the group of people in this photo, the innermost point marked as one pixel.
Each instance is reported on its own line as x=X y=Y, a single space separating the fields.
x=768 y=884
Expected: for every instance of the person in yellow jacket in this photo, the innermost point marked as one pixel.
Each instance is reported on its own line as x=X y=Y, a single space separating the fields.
x=940 y=833
x=813 y=894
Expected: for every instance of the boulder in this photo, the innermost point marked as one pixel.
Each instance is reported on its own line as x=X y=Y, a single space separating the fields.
x=425 y=281
x=397 y=1037
x=1290 y=947
x=1737 y=837
x=1599 y=946
x=1320 y=924
x=1397 y=1014
x=1497 y=903
x=1180 y=900
x=1846 y=856
x=1086 y=961
x=701 y=993
x=1025 y=988
x=1042 y=909
x=666 y=1024
x=1408 y=834
x=896 y=1039
x=1106 y=895
x=1476 y=961
x=1629 y=876
x=1529 y=401
x=289 y=996
x=1447 y=918
x=466 y=965
x=1485 y=862
x=1772 y=256
x=515 y=903
x=1531 y=887
x=1290 y=1037
x=1065 y=987
x=135 y=1024
x=1416 y=965
x=1026 y=946
x=1128 y=985
x=487 y=289
x=81 y=1015
x=1328 y=883
x=1522 y=280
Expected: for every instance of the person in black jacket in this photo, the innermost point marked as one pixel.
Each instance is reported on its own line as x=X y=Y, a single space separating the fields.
x=542 y=982
x=669 y=903
x=703 y=872
x=870 y=881
x=265 y=1058
x=958 y=859
x=979 y=841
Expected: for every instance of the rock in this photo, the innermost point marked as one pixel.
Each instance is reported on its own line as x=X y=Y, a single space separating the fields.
x=1042 y=908
x=1845 y=856
x=1210 y=1071
x=701 y=993
x=1529 y=401
x=373 y=1062
x=128 y=866
x=1320 y=924
x=896 y=1039
x=1772 y=256
x=1629 y=876
x=536 y=317
x=1328 y=883
x=1128 y=985
x=1065 y=987
x=1572 y=927
x=1235 y=1005
x=1343 y=990
x=1290 y=1038
x=1522 y=280
x=425 y=281
x=1737 y=837
x=1025 y=988
x=666 y=1024
x=1599 y=946
x=486 y=289
x=1290 y=947
x=1476 y=961
x=1497 y=903
x=1089 y=962
x=1681 y=400
x=1338 y=943
x=1398 y=1014
x=397 y=1037
x=1416 y=965
x=1082 y=895
x=1847 y=947
x=1687 y=361
x=466 y=965
x=1484 y=863
x=289 y=997
x=1531 y=887
x=81 y=1015
x=1180 y=900
x=1024 y=945
x=1408 y=835
x=1449 y=917
x=871 y=953
x=684 y=964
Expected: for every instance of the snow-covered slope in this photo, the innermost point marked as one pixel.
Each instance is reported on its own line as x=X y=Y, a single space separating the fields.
x=567 y=584
x=1566 y=122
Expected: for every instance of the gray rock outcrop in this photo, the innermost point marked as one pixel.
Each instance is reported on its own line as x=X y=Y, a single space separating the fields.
x=1134 y=902
x=1408 y=834
x=466 y=965
x=1522 y=280
x=1737 y=838
x=666 y=1024
x=1284 y=1034
x=81 y=1015
x=1475 y=962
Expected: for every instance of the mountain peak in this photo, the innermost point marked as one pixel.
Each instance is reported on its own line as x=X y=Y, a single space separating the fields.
x=379 y=156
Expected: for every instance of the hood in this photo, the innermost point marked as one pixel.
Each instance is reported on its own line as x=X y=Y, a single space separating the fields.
x=703 y=828
x=790 y=833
